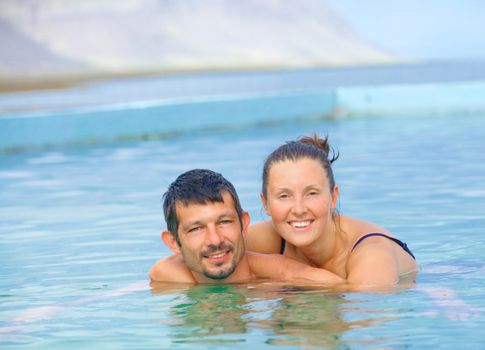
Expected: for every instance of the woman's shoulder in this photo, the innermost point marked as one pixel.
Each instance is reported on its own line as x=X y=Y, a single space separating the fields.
x=357 y=228
x=262 y=238
x=171 y=269
x=362 y=233
x=375 y=257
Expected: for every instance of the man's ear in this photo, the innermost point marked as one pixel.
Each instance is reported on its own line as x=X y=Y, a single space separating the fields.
x=265 y=203
x=245 y=221
x=169 y=239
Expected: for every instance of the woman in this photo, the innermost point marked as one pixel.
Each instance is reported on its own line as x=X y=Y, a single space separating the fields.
x=300 y=195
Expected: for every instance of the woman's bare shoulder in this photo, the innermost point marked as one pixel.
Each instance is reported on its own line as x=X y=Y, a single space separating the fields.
x=262 y=238
x=356 y=227
x=171 y=269
x=376 y=260
x=373 y=264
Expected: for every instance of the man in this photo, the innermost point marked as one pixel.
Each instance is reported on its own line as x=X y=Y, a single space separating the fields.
x=205 y=228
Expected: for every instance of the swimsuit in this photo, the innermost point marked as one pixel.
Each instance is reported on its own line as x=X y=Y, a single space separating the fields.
x=400 y=243
x=283 y=245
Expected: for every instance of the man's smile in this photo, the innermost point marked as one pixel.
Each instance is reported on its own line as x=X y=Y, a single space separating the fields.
x=217 y=256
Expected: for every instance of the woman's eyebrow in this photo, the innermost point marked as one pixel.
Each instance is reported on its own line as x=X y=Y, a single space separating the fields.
x=312 y=186
x=281 y=189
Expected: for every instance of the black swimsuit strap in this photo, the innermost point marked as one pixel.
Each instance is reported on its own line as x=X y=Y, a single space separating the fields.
x=400 y=243
x=283 y=245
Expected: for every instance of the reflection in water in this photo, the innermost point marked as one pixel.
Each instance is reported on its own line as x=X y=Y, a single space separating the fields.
x=303 y=317
x=210 y=310
x=307 y=317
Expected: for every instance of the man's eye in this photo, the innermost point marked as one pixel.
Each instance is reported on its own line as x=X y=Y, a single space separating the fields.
x=283 y=196
x=194 y=229
x=226 y=222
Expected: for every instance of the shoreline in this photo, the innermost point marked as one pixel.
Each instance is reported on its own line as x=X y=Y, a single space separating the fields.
x=56 y=81
x=11 y=84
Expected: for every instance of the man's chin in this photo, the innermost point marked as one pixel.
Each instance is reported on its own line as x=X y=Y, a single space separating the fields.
x=219 y=274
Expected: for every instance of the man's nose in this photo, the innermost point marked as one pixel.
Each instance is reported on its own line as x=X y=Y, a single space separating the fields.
x=213 y=236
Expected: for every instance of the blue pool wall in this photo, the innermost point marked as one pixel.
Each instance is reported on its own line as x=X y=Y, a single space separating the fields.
x=420 y=99
x=19 y=131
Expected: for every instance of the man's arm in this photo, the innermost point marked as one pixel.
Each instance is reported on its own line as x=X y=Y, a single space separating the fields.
x=171 y=269
x=281 y=268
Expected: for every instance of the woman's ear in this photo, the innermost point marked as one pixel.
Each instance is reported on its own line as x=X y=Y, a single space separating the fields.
x=335 y=195
x=169 y=239
x=265 y=203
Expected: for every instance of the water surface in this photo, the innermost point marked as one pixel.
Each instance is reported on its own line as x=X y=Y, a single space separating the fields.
x=78 y=225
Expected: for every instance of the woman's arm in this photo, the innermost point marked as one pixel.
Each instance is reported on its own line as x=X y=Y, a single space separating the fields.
x=279 y=267
x=262 y=238
x=171 y=269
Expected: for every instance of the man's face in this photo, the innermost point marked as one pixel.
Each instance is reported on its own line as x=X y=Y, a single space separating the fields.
x=211 y=240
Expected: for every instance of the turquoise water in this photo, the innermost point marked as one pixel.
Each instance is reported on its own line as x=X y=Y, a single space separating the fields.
x=160 y=107
x=80 y=229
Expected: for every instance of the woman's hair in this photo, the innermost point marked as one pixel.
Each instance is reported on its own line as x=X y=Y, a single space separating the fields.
x=310 y=147
x=316 y=148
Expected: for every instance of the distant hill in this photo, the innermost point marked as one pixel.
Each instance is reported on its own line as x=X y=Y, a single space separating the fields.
x=52 y=38
x=20 y=53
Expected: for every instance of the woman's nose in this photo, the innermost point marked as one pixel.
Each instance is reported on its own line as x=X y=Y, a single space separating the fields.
x=299 y=207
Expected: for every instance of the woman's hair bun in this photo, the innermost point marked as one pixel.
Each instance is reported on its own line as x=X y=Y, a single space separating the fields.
x=321 y=143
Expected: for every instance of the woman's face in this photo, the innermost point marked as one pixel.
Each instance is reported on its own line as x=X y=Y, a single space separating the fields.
x=299 y=200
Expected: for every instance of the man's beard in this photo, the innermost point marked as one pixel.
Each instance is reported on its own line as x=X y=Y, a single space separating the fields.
x=236 y=259
x=221 y=274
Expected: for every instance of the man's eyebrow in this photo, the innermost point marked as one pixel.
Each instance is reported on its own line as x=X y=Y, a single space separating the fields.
x=191 y=223
x=228 y=213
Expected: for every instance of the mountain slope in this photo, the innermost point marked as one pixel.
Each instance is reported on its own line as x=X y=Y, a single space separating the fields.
x=168 y=35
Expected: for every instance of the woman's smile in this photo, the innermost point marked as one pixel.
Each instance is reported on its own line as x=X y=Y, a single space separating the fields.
x=303 y=213
x=300 y=225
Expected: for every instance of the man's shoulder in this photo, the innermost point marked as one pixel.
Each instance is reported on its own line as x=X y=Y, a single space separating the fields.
x=171 y=269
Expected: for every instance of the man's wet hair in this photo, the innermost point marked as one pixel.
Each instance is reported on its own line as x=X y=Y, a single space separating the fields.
x=197 y=186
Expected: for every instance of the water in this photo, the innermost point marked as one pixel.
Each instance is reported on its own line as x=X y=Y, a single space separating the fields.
x=80 y=229
x=207 y=85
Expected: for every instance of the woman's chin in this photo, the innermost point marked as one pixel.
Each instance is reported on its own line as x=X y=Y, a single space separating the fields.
x=299 y=238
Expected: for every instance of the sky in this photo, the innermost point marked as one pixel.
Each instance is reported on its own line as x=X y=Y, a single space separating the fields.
x=421 y=29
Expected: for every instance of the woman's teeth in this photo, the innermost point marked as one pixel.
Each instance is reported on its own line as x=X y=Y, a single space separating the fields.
x=300 y=224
